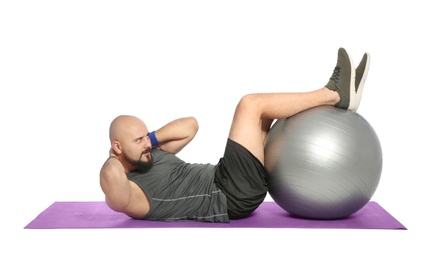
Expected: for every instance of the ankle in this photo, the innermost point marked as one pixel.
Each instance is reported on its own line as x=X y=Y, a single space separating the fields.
x=331 y=96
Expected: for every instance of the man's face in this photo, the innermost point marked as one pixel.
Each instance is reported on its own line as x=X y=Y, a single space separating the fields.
x=143 y=162
x=136 y=147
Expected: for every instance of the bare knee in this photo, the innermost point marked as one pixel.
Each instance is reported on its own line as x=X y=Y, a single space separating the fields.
x=249 y=103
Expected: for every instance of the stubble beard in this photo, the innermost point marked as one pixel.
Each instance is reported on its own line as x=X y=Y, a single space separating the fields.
x=139 y=165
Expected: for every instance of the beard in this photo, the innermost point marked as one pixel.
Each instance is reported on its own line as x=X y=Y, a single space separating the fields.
x=140 y=165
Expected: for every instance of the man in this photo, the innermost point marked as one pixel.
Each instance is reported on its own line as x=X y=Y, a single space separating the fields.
x=144 y=179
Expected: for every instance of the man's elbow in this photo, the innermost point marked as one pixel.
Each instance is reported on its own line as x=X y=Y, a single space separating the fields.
x=193 y=126
x=117 y=205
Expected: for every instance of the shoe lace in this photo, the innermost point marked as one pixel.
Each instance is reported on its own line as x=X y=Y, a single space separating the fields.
x=336 y=74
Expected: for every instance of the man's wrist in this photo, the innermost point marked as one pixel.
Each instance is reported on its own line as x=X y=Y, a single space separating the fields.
x=153 y=140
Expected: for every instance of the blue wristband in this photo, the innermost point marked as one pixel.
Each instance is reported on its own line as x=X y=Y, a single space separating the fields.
x=153 y=139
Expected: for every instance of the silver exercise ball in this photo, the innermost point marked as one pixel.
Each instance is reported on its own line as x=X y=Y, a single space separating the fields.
x=325 y=163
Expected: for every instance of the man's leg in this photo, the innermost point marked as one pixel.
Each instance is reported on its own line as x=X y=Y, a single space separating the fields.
x=255 y=113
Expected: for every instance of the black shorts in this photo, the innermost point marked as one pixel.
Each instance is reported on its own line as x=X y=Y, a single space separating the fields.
x=242 y=178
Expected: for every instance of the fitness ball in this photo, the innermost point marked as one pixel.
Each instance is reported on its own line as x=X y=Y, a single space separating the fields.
x=325 y=163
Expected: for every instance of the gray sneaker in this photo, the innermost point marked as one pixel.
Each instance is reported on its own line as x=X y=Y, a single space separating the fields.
x=343 y=80
x=361 y=76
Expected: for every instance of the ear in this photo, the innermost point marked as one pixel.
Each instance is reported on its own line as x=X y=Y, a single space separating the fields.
x=117 y=148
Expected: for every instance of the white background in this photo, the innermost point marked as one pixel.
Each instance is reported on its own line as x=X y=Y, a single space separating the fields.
x=67 y=68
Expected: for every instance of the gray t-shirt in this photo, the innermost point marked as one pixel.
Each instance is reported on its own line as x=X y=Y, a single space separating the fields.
x=181 y=191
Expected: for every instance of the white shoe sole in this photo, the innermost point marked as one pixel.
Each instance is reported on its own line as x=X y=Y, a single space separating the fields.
x=358 y=93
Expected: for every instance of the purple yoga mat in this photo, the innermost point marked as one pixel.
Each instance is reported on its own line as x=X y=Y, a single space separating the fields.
x=268 y=215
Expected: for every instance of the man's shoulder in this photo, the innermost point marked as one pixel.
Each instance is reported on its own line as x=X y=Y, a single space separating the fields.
x=159 y=154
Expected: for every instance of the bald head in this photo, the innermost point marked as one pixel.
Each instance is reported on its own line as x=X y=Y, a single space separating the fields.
x=129 y=142
x=126 y=125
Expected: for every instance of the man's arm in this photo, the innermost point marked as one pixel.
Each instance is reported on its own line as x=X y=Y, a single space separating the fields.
x=174 y=136
x=115 y=185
